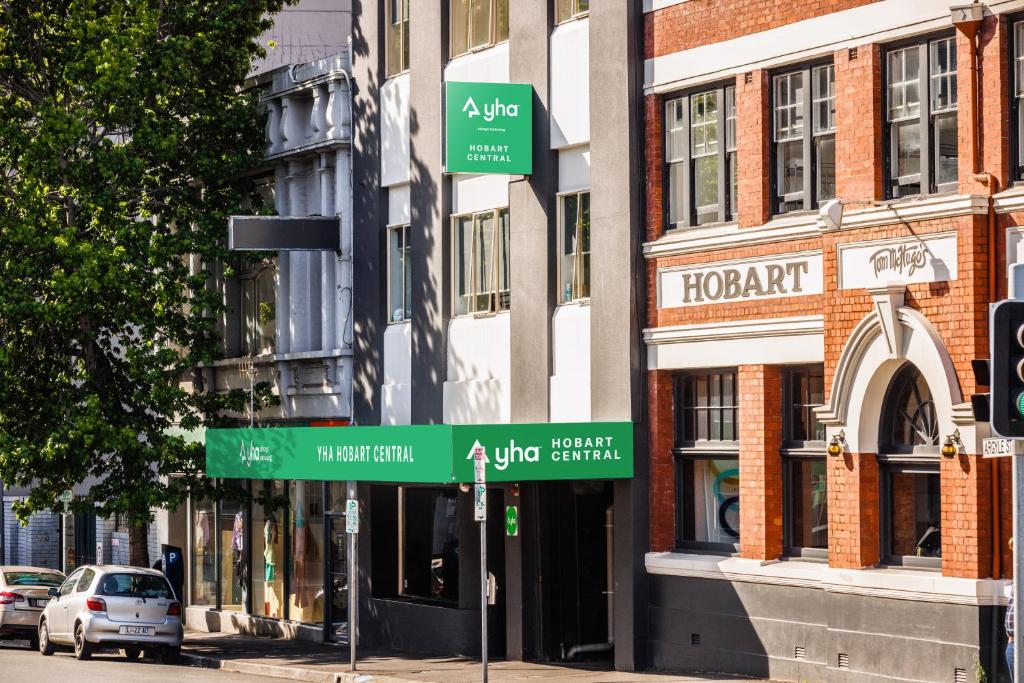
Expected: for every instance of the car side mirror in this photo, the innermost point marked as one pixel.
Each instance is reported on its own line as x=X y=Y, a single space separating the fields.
x=53 y=593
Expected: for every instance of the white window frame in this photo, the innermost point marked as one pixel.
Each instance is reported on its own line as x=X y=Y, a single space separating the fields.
x=390 y=69
x=576 y=13
x=492 y=30
x=923 y=113
x=577 y=286
x=499 y=299
x=392 y=304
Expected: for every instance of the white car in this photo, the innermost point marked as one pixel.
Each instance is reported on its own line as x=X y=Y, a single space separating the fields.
x=23 y=595
x=111 y=606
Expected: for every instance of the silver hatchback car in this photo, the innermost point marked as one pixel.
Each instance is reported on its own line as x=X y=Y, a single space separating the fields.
x=23 y=595
x=111 y=606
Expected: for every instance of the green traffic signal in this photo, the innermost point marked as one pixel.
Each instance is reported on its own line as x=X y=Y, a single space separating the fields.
x=1018 y=404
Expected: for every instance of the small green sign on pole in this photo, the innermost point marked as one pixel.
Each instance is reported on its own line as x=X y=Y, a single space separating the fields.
x=489 y=128
x=511 y=520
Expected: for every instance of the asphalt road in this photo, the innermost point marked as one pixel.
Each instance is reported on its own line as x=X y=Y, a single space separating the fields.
x=21 y=665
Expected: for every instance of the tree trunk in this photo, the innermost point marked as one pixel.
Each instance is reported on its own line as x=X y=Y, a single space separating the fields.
x=138 y=545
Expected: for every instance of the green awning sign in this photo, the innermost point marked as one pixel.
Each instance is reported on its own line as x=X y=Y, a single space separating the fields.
x=489 y=128
x=438 y=454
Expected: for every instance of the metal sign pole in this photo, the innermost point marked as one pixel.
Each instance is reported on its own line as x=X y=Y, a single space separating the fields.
x=480 y=515
x=352 y=527
x=1017 y=292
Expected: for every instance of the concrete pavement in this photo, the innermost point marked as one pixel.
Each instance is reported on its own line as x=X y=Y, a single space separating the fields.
x=21 y=665
x=324 y=663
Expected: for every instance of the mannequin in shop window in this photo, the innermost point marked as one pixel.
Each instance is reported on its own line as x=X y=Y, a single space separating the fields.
x=204 y=553
x=269 y=541
x=238 y=555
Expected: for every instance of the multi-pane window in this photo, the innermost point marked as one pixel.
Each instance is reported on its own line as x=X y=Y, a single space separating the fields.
x=921 y=112
x=1018 y=96
x=805 y=499
x=566 y=10
x=700 y=152
x=256 y=308
x=399 y=281
x=909 y=458
x=477 y=24
x=574 y=248
x=707 y=461
x=805 y=164
x=481 y=244
x=398 y=36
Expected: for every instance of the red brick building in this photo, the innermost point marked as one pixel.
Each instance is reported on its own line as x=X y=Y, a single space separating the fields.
x=832 y=202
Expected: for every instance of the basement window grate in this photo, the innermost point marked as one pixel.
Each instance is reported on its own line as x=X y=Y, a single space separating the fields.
x=852 y=53
x=959 y=675
x=799 y=652
x=844 y=660
x=694 y=639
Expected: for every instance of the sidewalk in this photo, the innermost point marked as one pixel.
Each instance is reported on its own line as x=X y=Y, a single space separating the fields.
x=300 y=660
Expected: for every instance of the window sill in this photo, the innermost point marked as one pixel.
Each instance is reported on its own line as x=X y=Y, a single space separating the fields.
x=886 y=582
x=403 y=321
x=579 y=303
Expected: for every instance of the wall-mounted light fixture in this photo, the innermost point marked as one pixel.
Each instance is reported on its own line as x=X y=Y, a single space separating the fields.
x=465 y=488
x=837 y=444
x=952 y=445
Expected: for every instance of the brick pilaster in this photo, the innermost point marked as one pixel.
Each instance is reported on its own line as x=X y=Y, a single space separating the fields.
x=854 y=516
x=859 y=116
x=760 y=410
x=995 y=78
x=654 y=133
x=662 y=476
x=966 y=516
x=752 y=148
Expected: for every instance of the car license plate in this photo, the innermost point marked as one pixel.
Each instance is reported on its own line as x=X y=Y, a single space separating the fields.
x=136 y=631
x=41 y=602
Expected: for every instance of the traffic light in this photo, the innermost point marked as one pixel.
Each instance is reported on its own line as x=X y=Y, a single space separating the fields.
x=980 y=403
x=1006 y=345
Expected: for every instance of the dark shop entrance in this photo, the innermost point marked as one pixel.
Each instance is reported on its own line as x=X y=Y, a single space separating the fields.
x=568 y=586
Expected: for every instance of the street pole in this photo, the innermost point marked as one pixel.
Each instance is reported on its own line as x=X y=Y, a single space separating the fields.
x=1017 y=292
x=352 y=527
x=480 y=515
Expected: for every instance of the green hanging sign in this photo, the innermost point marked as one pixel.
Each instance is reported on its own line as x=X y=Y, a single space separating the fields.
x=430 y=454
x=489 y=128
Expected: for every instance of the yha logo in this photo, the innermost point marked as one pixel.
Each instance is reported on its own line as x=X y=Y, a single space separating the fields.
x=491 y=111
x=252 y=453
x=513 y=453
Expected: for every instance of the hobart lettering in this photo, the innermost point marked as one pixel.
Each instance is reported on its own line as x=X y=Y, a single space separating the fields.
x=399 y=453
x=734 y=283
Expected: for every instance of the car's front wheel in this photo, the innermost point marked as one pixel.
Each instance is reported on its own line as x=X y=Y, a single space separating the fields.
x=83 y=648
x=45 y=646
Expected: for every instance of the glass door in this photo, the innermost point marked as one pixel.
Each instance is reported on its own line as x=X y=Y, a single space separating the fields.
x=337 y=579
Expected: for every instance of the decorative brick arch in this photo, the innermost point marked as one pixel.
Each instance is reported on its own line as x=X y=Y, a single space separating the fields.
x=881 y=343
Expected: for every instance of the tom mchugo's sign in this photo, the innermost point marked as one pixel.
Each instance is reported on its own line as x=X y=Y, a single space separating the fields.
x=489 y=128
x=905 y=260
x=769 y=277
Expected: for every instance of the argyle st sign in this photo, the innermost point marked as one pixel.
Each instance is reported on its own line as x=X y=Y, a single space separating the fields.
x=489 y=128
x=767 y=277
x=424 y=453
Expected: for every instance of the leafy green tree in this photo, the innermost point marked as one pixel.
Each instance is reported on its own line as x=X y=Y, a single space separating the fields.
x=124 y=137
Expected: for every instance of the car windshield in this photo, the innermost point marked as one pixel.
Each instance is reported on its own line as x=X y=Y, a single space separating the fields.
x=135 y=586
x=33 y=578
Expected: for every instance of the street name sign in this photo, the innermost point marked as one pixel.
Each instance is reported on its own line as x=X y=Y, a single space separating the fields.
x=999 y=448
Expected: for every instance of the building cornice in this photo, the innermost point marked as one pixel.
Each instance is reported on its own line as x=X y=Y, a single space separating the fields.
x=895 y=584
x=809 y=225
x=730 y=330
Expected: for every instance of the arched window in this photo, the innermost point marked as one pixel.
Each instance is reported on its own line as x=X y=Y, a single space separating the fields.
x=909 y=459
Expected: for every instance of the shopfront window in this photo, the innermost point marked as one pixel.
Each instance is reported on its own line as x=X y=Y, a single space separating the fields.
x=204 y=554
x=234 y=560
x=305 y=594
x=909 y=458
x=428 y=542
x=707 y=461
x=269 y=520
x=805 y=492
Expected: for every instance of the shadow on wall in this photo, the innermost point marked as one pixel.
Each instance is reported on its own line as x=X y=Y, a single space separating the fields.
x=368 y=254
